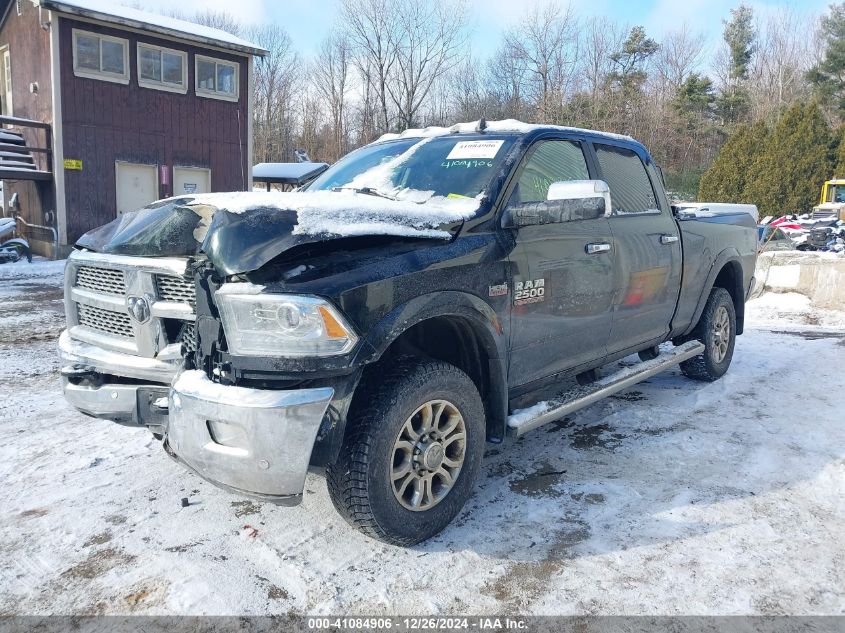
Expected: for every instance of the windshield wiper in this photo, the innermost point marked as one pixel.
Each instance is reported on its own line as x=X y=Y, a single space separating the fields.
x=367 y=191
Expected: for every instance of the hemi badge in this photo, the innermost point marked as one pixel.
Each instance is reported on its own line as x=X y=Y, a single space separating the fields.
x=498 y=291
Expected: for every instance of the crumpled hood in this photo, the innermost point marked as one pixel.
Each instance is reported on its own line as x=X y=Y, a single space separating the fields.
x=247 y=238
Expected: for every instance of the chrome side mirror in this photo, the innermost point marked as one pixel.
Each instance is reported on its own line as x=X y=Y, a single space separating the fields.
x=581 y=190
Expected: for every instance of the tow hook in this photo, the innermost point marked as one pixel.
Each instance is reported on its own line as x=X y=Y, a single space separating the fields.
x=160 y=405
x=78 y=374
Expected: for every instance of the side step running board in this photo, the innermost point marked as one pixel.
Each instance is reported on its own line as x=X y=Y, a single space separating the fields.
x=524 y=420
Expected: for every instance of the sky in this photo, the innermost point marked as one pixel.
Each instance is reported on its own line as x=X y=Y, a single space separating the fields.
x=309 y=21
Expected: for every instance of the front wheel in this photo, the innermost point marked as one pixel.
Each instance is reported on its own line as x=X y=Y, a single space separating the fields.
x=411 y=454
x=717 y=330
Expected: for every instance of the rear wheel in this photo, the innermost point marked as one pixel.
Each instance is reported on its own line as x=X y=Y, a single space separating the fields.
x=411 y=454
x=717 y=330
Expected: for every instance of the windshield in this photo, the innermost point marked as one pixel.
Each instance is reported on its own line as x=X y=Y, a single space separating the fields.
x=419 y=170
x=836 y=193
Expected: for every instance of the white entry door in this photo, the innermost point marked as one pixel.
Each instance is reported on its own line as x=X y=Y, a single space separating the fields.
x=191 y=180
x=137 y=185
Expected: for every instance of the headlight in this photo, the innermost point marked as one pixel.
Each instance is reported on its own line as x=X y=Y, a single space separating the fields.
x=258 y=324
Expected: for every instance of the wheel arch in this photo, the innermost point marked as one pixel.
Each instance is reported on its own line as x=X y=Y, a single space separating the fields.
x=455 y=327
x=726 y=273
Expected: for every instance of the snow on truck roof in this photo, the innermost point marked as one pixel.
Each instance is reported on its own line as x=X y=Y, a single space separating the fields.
x=111 y=11
x=493 y=127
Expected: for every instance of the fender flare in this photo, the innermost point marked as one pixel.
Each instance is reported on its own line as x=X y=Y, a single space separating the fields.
x=730 y=254
x=485 y=324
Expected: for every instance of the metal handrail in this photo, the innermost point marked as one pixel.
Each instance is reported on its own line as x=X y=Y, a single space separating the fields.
x=40 y=226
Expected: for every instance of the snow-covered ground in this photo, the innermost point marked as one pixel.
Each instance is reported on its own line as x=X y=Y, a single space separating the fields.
x=675 y=497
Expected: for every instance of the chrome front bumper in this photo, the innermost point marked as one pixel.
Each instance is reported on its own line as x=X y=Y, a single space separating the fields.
x=255 y=442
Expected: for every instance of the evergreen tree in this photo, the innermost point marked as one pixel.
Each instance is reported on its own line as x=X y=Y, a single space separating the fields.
x=733 y=103
x=629 y=74
x=740 y=35
x=787 y=176
x=695 y=96
x=828 y=76
x=839 y=168
x=726 y=179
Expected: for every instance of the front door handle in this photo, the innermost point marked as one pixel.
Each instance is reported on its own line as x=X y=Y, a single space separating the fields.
x=668 y=239
x=598 y=247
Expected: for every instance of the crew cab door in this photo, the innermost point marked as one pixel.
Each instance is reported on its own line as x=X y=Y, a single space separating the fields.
x=647 y=265
x=561 y=294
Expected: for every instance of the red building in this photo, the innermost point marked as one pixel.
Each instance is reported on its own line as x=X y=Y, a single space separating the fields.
x=107 y=108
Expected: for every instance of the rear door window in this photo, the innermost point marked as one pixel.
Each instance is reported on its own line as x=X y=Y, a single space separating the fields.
x=630 y=187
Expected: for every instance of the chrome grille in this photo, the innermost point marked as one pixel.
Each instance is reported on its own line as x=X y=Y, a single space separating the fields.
x=175 y=289
x=105 y=280
x=188 y=336
x=98 y=287
x=116 y=323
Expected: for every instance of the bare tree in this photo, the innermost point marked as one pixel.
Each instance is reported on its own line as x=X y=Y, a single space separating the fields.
x=545 y=40
x=275 y=85
x=785 y=54
x=506 y=77
x=330 y=74
x=374 y=31
x=222 y=20
x=430 y=38
x=681 y=52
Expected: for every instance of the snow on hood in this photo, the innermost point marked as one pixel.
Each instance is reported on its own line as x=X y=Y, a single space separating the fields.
x=242 y=231
x=347 y=213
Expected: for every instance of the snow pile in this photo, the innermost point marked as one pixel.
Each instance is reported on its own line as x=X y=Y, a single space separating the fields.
x=779 y=309
x=347 y=213
x=493 y=127
x=40 y=268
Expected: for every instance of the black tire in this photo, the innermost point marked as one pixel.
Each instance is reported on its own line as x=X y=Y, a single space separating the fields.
x=714 y=362
x=359 y=483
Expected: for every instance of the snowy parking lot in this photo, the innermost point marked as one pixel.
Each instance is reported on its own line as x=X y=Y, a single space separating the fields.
x=674 y=497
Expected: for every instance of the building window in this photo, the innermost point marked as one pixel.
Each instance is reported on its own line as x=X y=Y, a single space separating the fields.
x=216 y=78
x=100 y=57
x=162 y=68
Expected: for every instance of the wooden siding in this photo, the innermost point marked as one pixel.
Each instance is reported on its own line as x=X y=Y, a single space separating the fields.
x=104 y=122
x=29 y=48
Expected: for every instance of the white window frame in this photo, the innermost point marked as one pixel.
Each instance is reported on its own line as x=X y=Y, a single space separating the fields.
x=120 y=78
x=7 y=88
x=162 y=85
x=214 y=94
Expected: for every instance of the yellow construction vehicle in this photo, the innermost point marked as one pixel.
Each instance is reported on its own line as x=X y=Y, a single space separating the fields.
x=832 y=203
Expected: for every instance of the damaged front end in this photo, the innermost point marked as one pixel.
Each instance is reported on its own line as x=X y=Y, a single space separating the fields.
x=147 y=297
x=144 y=339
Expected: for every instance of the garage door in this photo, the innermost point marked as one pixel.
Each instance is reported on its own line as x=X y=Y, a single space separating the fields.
x=191 y=180
x=137 y=185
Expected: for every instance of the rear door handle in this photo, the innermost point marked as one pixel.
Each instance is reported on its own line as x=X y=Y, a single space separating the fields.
x=598 y=247
x=668 y=239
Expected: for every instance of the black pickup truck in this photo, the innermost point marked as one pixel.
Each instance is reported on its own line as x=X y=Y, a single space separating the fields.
x=420 y=297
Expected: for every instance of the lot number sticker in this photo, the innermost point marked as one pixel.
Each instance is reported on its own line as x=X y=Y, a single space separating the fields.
x=475 y=149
